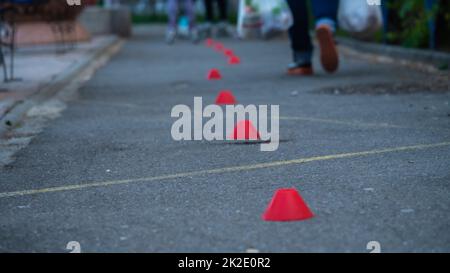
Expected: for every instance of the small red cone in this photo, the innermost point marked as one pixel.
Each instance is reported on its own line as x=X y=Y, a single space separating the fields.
x=245 y=130
x=225 y=98
x=209 y=42
x=287 y=205
x=214 y=74
x=228 y=52
x=234 y=60
x=219 y=47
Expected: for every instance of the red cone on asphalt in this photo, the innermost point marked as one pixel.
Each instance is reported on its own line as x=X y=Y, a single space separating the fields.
x=225 y=97
x=209 y=42
x=214 y=74
x=218 y=46
x=245 y=130
x=287 y=205
x=234 y=60
x=228 y=52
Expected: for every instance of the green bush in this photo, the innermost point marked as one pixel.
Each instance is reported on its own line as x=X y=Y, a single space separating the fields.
x=410 y=23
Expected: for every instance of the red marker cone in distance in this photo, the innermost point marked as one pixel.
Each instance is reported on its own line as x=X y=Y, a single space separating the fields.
x=228 y=52
x=245 y=130
x=287 y=205
x=209 y=42
x=219 y=46
x=225 y=97
x=234 y=60
x=214 y=74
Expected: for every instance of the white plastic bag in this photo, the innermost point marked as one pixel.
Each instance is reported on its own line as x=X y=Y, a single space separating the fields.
x=261 y=17
x=361 y=18
x=276 y=16
x=249 y=19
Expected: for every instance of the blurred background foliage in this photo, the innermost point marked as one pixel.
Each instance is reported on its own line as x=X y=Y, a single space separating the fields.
x=409 y=23
x=408 y=20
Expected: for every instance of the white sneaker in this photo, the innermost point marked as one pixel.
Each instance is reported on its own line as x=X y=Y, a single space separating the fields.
x=170 y=36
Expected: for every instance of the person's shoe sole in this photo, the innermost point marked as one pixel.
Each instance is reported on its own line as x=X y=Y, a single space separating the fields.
x=300 y=71
x=328 y=51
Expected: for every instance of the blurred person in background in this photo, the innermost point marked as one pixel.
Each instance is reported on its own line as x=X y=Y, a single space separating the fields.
x=172 y=11
x=325 y=13
x=222 y=27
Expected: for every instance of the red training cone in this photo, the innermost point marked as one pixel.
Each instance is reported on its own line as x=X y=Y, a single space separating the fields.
x=234 y=60
x=245 y=130
x=225 y=98
x=214 y=74
x=219 y=47
x=209 y=42
x=287 y=205
x=228 y=52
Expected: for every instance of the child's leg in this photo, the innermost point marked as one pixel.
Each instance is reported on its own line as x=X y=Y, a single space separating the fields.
x=190 y=12
x=172 y=12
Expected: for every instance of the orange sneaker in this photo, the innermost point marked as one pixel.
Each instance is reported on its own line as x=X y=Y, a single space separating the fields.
x=300 y=71
x=328 y=50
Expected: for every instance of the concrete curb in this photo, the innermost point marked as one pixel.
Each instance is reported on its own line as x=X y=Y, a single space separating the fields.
x=429 y=57
x=18 y=111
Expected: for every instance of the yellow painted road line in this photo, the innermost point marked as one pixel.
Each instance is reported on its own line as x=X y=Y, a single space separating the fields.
x=342 y=122
x=223 y=170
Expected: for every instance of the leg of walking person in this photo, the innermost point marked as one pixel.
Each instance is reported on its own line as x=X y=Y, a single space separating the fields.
x=209 y=11
x=206 y=29
x=189 y=10
x=222 y=27
x=172 y=13
x=325 y=13
x=223 y=10
x=300 y=40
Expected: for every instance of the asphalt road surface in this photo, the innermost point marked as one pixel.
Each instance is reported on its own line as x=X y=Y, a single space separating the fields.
x=108 y=174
